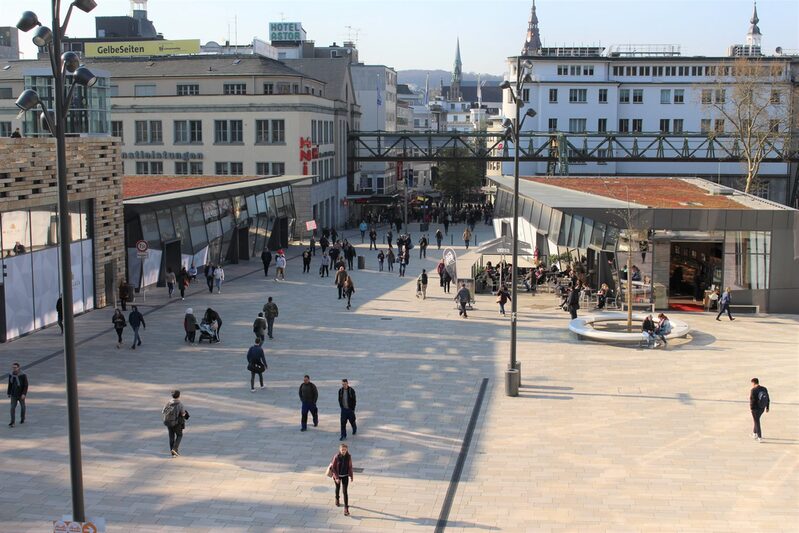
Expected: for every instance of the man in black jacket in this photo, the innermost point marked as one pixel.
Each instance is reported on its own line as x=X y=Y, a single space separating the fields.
x=308 y=397
x=573 y=301
x=758 y=402
x=346 y=400
x=136 y=320
x=266 y=259
x=17 y=391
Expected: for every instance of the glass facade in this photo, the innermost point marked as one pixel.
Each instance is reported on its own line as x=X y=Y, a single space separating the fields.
x=89 y=112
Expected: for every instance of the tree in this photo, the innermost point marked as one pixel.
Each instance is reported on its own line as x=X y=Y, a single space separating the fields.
x=459 y=176
x=754 y=97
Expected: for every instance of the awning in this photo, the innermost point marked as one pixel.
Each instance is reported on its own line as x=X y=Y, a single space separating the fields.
x=504 y=246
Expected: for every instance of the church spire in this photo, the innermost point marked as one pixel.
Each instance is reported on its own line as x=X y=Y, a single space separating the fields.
x=455 y=86
x=532 y=46
x=753 y=36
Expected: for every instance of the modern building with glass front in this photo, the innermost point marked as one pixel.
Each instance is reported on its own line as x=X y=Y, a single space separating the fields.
x=688 y=235
x=197 y=220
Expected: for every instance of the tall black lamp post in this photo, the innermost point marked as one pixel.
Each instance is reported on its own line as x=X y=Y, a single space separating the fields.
x=513 y=129
x=65 y=67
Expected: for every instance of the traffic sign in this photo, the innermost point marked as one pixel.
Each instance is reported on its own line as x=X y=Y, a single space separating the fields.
x=142 y=248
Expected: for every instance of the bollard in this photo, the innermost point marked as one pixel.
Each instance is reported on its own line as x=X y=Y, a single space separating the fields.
x=519 y=368
x=511 y=382
x=452 y=240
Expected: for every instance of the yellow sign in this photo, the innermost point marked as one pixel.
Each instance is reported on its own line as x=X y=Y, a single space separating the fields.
x=142 y=48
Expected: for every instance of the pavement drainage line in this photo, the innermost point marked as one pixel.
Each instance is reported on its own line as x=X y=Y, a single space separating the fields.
x=147 y=312
x=446 y=507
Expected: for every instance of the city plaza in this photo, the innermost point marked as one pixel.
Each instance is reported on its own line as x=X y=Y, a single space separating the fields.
x=600 y=438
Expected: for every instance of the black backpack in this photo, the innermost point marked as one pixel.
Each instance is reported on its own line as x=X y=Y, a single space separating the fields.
x=762 y=398
x=170 y=414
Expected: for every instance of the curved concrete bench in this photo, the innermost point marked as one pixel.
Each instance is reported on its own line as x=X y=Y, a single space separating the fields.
x=583 y=326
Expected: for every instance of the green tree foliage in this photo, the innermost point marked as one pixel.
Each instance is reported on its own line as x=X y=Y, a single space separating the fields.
x=460 y=177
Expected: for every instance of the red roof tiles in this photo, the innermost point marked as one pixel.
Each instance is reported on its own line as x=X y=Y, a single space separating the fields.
x=135 y=186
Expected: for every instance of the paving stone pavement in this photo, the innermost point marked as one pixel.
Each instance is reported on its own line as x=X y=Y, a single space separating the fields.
x=601 y=438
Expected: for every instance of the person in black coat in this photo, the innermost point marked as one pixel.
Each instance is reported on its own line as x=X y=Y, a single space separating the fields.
x=266 y=259
x=17 y=391
x=256 y=363
x=347 y=400
x=59 y=309
x=308 y=396
x=573 y=301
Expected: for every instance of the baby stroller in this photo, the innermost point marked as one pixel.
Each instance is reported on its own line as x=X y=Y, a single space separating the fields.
x=208 y=331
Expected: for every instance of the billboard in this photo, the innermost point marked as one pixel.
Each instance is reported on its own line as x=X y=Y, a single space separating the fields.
x=142 y=48
x=286 y=31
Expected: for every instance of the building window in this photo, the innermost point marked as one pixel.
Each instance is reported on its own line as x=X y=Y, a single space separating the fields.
x=665 y=96
x=578 y=96
x=262 y=169
x=588 y=70
x=261 y=131
x=563 y=70
x=624 y=125
x=144 y=90
x=678 y=125
x=149 y=167
x=624 y=96
x=234 y=88
x=618 y=71
x=116 y=129
x=526 y=95
x=679 y=96
x=278 y=131
x=603 y=96
x=5 y=129
x=283 y=88
x=664 y=125
x=721 y=96
x=718 y=125
x=553 y=124
x=236 y=169
x=190 y=89
x=196 y=168
x=577 y=125
x=149 y=132
x=181 y=168
x=776 y=96
x=228 y=132
x=6 y=93
x=638 y=125
x=313 y=132
x=222 y=169
x=704 y=125
x=602 y=125
x=638 y=96
x=707 y=96
x=575 y=70
x=188 y=132
x=269 y=88
x=774 y=125
x=553 y=96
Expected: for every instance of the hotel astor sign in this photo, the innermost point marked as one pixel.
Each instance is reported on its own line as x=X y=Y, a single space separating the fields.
x=286 y=31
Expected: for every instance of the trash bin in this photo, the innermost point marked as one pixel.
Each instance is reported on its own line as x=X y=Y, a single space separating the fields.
x=519 y=368
x=424 y=226
x=361 y=262
x=511 y=382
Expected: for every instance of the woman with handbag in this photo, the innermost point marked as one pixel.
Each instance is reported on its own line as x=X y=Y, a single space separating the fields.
x=119 y=324
x=256 y=363
x=349 y=289
x=340 y=469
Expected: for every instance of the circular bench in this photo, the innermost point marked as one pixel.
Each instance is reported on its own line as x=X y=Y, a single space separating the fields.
x=584 y=327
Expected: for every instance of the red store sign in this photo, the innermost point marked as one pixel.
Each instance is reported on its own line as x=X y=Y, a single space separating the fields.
x=308 y=152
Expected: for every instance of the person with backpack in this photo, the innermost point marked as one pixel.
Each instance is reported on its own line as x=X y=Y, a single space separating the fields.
x=136 y=321
x=270 y=313
x=422 y=285
x=174 y=416
x=119 y=325
x=759 y=402
x=308 y=396
x=340 y=469
x=259 y=327
x=256 y=363
x=463 y=296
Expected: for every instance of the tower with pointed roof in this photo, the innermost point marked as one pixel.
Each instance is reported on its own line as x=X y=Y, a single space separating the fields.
x=753 y=36
x=532 y=45
x=457 y=74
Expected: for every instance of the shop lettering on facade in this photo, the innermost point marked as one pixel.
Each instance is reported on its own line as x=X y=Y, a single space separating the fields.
x=308 y=152
x=179 y=156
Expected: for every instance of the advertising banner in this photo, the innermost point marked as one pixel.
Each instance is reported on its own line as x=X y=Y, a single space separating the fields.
x=450 y=263
x=142 y=48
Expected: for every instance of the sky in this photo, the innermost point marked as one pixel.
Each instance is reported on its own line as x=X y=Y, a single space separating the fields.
x=421 y=34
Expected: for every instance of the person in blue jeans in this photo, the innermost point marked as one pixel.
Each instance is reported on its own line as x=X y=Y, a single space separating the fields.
x=308 y=396
x=724 y=304
x=346 y=400
x=136 y=320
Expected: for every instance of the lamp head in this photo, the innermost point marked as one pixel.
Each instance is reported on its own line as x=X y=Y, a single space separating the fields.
x=530 y=113
x=84 y=76
x=505 y=85
x=28 y=100
x=507 y=123
x=71 y=61
x=43 y=120
x=43 y=36
x=28 y=21
x=85 y=5
x=527 y=78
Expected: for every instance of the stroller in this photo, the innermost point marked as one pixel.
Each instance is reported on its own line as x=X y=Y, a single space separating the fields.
x=208 y=331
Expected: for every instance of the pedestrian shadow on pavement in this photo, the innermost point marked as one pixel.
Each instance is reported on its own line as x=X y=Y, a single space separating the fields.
x=545 y=387
x=417 y=521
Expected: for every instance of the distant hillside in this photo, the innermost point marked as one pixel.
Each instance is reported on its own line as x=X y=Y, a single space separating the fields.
x=417 y=77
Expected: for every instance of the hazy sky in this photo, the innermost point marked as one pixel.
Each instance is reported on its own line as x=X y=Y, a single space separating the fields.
x=421 y=34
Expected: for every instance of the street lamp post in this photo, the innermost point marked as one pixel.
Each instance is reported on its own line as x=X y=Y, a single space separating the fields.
x=513 y=129
x=62 y=66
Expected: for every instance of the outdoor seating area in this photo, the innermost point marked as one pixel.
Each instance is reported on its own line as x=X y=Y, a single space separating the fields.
x=584 y=328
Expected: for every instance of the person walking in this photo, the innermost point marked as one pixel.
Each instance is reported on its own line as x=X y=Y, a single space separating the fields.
x=362 y=226
x=503 y=297
x=308 y=397
x=462 y=297
x=391 y=259
x=347 y=401
x=759 y=402
x=256 y=363
x=119 y=325
x=124 y=294
x=323 y=243
x=439 y=238
x=136 y=320
x=381 y=257
x=724 y=304
x=183 y=279
x=422 y=281
x=266 y=259
x=171 y=280
x=17 y=392
x=373 y=239
x=259 y=327
x=389 y=238
x=219 y=278
x=306 y=261
x=423 y=247
x=324 y=267
x=270 y=313
x=467 y=236
x=349 y=290
x=312 y=244
x=447 y=279
x=341 y=471
x=174 y=416
x=189 y=325
x=209 y=276
x=573 y=301
x=59 y=311
x=334 y=234
x=280 y=266
x=403 y=261
x=349 y=253
x=338 y=281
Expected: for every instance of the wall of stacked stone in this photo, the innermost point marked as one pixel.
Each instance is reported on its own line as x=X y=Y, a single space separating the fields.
x=94 y=172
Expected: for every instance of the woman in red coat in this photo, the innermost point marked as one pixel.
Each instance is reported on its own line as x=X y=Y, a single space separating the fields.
x=341 y=468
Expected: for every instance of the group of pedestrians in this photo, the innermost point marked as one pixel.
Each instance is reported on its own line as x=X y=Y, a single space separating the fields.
x=136 y=322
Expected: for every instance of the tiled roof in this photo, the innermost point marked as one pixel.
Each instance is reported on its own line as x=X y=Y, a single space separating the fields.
x=135 y=186
x=656 y=192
